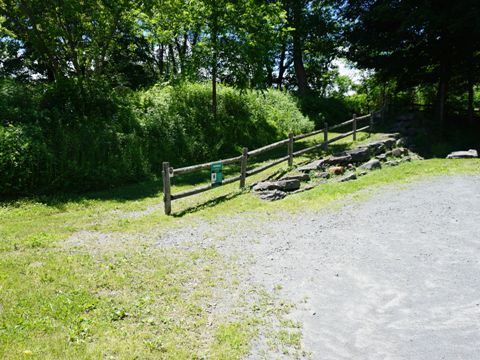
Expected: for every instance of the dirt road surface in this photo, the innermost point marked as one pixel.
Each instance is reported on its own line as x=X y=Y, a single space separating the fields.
x=395 y=276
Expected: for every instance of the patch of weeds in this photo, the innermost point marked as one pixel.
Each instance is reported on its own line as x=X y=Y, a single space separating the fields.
x=232 y=340
x=80 y=330
x=289 y=339
x=155 y=345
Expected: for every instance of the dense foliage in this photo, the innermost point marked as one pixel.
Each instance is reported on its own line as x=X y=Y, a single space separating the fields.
x=77 y=137
x=418 y=45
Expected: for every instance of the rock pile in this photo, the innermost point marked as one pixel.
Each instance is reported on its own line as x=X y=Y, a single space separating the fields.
x=344 y=166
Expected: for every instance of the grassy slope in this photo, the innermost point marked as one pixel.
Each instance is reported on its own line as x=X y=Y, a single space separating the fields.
x=130 y=299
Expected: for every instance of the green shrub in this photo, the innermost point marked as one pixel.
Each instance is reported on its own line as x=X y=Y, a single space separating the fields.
x=24 y=158
x=80 y=135
x=180 y=127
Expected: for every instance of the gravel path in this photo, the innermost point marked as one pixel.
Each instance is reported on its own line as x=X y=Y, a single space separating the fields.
x=393 y=277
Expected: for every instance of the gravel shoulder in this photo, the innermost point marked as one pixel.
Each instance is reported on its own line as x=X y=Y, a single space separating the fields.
x=394 y=277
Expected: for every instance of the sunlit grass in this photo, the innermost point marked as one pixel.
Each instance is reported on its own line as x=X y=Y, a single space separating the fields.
x=128 y=298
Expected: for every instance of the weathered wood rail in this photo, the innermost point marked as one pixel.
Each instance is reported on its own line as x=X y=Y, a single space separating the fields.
x=168 y=172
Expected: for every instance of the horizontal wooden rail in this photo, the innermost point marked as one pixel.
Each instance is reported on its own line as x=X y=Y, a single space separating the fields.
x=363 y=117
x=364 y=128
x=203 y=188
x=268 y=148
x=267 y=166
x=304 y=136
x=306 y=150
x=341 y=124
x=339 y=137
x=168 y=172
x=198 y=167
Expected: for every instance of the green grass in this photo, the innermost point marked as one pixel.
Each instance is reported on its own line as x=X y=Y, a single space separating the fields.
x=120 y=295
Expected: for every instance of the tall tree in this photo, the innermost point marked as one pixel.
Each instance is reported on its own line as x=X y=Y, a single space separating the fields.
x=309 y=44
x=412 y=42
x=69 y=37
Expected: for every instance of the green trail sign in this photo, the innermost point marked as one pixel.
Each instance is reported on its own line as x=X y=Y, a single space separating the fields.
x=217 y=175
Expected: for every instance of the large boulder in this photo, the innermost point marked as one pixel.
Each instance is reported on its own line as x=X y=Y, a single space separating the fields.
x=314 y=165
x=339 y=159
x=299 y=177
x=371 y=165
x=389 y=142
x=359 y=154
x=272 y=195
x=376 y=147
x=463 y=154
x=283 y=185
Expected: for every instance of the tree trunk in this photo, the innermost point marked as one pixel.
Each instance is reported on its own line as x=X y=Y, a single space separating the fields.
x=161 y=62
x=298 y=64
x=281 y=68
x=172 y=59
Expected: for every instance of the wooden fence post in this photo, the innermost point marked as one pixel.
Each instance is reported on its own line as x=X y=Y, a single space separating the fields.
x=325 y=137
x=354 y=127
x=167 y=195
x=290 y=149
x=243 y=168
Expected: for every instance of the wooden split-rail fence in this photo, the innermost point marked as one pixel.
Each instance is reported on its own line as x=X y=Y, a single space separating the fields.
x=169 y=172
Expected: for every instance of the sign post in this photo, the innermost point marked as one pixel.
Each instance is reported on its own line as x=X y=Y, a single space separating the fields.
x=216 y=174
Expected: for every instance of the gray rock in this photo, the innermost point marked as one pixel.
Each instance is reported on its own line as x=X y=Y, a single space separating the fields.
x=299 y=177
x=284 y=185
x=392 y=163
x=359 y=154
x=314 y=165
x=401 y=142
x=264 y=186
x=339 y=159
x=399 y=152
x=362 y=173
x=288 y=185
x=463 y=154
x=272 y=195
x=381 y=157
x=406 y=159
x=349 y=177
x=376 y=147
x=371 y=165
x=389 y=142
x=394 y=135
x=322 y=175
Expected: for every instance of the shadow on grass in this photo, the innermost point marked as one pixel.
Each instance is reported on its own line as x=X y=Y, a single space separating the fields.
x=207 y=204
x=154 y=188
